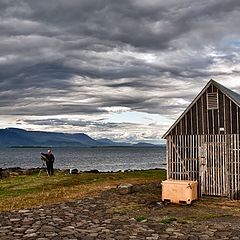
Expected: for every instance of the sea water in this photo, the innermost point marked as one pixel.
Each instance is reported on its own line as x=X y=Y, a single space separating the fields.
x=85 y=159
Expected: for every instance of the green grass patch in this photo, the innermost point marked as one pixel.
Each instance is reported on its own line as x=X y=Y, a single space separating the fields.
x=34 y=190
x=168 y=220
x=140 y=218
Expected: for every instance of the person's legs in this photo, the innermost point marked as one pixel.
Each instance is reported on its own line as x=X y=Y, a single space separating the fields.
x=51 y=168
x=48 y=168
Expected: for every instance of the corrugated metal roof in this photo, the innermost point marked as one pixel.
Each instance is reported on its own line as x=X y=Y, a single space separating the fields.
x=235 y=97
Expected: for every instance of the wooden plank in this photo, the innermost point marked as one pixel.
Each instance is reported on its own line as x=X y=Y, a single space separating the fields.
x=219 y=153
x=227 y=167
x=224 y=180
x=231 y=167
x=238 y=121
x=238 y=160
x=200 y=164
x=234 y=115
x=205 y=172
x=238 y=168
x=210 y=122
x=170 y=159
x=225 y=164
x=196 y=117
x=208 y=162
x=230 y=117
x=213 y=182
x=216 y=144
x=221 y=109
x=235 y=164
x=195 y=157
x=194 y=120
x=189 y=124
x=167 y=157
x=216 y=117
x=216 y=121
x=227 y=116
x=175 y=159
x=202 y=116
x=220 y=165
x=181 y=127
x=207 y=117
x=184 y=126
x=204 y=108
x=189 y=155
x=179 y=151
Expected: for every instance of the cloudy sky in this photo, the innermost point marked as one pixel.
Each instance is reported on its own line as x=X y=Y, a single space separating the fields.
x=124 y=70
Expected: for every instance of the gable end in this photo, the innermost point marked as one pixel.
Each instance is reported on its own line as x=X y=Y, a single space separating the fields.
x=215 y=110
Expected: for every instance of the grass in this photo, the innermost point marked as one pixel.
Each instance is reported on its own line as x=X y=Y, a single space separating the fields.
x=168 y=220
x=27 y=191
x=140 y=218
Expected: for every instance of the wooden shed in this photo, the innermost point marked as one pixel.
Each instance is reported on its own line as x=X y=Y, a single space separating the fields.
x=204 y=142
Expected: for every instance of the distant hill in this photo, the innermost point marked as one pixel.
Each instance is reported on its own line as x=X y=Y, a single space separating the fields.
x=21 y=138
x=143 y=144
x=105 y=141
x=108 y=142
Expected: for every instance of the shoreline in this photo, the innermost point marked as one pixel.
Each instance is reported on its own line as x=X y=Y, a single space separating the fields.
x=15 y=171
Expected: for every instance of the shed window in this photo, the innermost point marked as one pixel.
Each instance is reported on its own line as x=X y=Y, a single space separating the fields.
x=212 y=100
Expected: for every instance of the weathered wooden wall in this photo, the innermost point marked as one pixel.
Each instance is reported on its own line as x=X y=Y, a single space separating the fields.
x=234 y=167
x=212 y=160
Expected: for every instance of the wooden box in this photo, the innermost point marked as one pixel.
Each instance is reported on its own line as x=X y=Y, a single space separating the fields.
x=179 y=191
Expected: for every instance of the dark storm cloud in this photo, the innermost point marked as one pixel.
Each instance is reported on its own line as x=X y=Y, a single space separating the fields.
x=68 y=57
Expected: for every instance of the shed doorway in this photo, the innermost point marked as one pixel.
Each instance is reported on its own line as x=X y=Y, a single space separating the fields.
x=213 y=165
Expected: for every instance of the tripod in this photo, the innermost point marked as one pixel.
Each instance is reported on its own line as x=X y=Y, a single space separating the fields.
x=43 y=167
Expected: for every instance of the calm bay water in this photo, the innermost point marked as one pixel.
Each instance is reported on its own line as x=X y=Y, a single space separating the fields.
x=84 y=159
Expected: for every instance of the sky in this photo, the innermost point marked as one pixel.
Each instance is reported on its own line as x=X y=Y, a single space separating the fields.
x=123 y=70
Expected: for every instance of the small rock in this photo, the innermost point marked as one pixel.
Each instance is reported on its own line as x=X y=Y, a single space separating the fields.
x=73 y=171
x=125 y=188
x=30 y=235
x=159 y=204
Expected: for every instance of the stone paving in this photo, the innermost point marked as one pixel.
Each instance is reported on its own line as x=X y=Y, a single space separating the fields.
x=93 y=218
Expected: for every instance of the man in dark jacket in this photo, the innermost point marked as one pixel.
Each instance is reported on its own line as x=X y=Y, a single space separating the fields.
x=49 y=158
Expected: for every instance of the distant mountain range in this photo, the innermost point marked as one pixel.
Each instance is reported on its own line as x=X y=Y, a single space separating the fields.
x=15 y=137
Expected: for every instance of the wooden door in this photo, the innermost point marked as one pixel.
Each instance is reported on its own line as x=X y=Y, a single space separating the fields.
x=213 y=165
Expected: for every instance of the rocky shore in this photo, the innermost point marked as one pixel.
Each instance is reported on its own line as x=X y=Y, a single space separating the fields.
x=7 y=172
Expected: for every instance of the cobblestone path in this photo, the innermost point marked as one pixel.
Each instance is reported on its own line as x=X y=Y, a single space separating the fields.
x=94 y=218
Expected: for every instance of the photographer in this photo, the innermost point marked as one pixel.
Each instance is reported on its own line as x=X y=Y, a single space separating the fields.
x=49 y=159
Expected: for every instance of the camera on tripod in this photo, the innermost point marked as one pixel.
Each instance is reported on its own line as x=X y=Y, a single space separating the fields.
x=43 y=167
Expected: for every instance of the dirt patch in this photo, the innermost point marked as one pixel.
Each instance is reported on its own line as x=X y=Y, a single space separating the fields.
x=144 y=202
